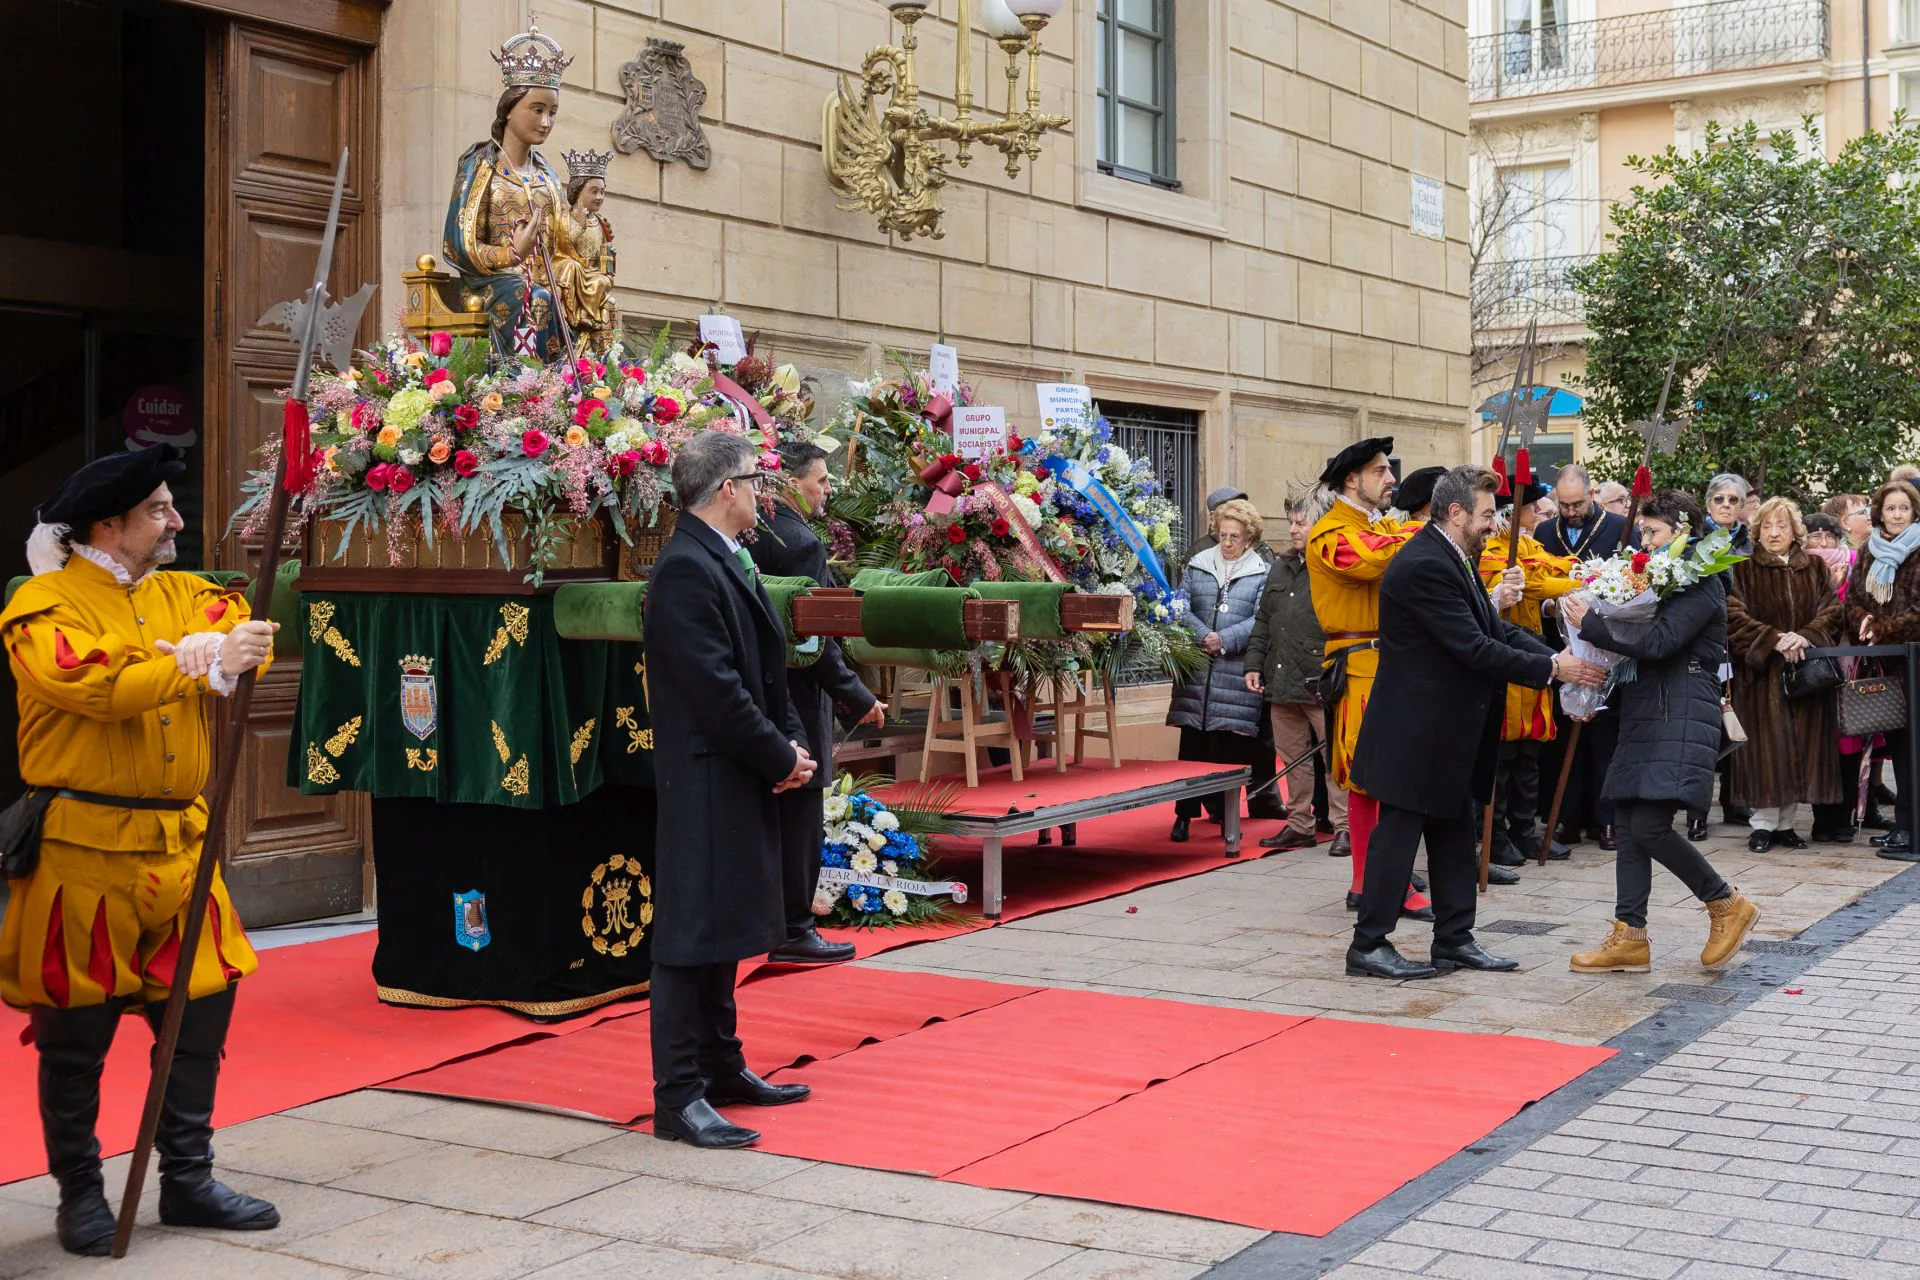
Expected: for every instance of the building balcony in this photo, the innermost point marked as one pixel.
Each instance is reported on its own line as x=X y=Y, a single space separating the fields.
x=1503 y=296
x=1642 y=48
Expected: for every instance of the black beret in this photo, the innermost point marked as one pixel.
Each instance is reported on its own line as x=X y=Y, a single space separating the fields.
x=111 y=486
x=1352 y=458
x=1416 y=491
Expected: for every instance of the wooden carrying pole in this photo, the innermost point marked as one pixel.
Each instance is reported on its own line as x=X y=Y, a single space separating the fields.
x=226 y=765
x=1522 y=377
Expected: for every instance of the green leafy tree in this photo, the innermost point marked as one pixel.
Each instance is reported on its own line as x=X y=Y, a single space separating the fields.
x=1788 y=288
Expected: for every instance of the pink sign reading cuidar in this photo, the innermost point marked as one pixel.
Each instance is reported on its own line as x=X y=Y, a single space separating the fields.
x=159 y=414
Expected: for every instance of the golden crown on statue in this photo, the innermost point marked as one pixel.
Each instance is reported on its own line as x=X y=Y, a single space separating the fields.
x=582 y=165
x=532 y=60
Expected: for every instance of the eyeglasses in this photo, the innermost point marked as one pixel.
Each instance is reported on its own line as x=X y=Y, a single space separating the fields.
x=1724 y=500
x=1234 y=538
x=754 y=478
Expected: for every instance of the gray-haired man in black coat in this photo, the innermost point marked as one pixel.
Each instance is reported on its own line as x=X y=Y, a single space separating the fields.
x=1446 y=658
x=726 y=741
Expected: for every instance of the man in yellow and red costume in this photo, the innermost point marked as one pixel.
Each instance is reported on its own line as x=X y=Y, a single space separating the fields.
x=117 y=663
x=1528 y=722
x=1348 y=551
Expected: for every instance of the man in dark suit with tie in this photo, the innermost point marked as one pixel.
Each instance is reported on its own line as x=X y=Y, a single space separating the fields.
x=785 y=545
x=726 y=743
x=1446 y=657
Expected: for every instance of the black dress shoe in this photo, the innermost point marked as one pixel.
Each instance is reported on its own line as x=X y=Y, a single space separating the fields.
x=83 y=1222
x=1760 y=842
x=1609 y=838
x=1342 y=846
x=1882 y=841
x=1832 y=835
x=1696 y=829
x=1898 y=848
x=206 y=1203
x=698 y=1124
x=1416 y=913
x=1505 y=855
x=1384 y=962
x=1179 y=833
x=1566 y=833
x=1786 y=838
x=1353 y=901
x=1472 y=955
x=1557 y=852
x=744 y=1086
x=1289 y=839
x=1418 y=881
x=1502 y=875
x=1272 y=811
x=811 y=948
x=1321 y=827
x=1736 y=817
x=1875 y=820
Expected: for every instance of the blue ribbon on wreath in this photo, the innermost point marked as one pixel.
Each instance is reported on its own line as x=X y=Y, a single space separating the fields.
x=1088 y=486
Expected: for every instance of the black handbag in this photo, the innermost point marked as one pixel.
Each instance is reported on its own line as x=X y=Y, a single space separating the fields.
x=1814 y=675
x=20 y=832
x=1873 y=704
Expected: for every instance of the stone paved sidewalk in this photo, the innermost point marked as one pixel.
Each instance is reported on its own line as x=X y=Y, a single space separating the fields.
x=1784 y=1142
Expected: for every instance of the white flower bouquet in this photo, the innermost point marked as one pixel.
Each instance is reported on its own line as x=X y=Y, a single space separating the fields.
x=874 y=865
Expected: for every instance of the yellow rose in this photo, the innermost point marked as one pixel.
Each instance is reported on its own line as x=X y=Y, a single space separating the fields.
x=601 y=393
x=389 y=436
x=418 y=359
x=441 y=451
x=576 y=436
x=491 y=402
x=441 y=390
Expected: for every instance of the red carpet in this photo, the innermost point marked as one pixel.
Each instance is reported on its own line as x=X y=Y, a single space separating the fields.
x=1000 y=1077
x=306 y=1027
x=1296 y=1133
x=785 y=1020
x=998 y=793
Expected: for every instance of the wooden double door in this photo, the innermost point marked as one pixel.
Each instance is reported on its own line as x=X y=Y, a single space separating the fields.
x=283 y=99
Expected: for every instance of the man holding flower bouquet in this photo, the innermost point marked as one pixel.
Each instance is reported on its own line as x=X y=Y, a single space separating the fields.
x=1670 y=726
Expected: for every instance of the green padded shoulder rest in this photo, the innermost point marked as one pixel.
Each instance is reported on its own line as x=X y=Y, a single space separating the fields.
x=783 y=592
x=869 y=578
x=1039 y=605
x=916 y=617
x=599 y=610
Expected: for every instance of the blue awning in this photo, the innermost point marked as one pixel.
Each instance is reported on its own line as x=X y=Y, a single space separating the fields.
x=1564 y=404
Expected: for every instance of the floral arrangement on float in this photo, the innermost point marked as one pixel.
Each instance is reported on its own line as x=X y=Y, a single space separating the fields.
x=1626 y=588
x=423 y=438
x=875 y=864
x=1028 y=512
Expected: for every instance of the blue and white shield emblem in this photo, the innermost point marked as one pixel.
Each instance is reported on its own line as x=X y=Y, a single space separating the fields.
x=470 y=920
x=419 y=697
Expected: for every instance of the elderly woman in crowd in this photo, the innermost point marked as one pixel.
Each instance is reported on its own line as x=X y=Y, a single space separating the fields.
x=1669 y=742
x=1883 y=607
x=1217 y=714
x=1727 y=496
x=1854 y=514
x=1781 y=604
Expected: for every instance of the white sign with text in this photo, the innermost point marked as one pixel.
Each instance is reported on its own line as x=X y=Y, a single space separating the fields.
x=979 y=431
x=1429 y=215
x=943 y=368
x=1064 y=401
x=723 y=333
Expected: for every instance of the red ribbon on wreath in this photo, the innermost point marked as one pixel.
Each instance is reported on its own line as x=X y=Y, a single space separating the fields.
x=944 y=474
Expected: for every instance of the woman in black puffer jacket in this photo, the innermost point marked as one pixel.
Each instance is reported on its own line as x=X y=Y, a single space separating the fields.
x=1670 y=727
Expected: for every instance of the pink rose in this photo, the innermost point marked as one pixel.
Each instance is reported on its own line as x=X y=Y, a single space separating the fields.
x=655 y=453
x=623 y=464
x=665 y=409
x=378 y=475
x=534 y=443
x=769 y=460
x=440 y=344
x=400 y=481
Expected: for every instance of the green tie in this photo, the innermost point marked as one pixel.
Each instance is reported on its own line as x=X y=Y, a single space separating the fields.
x=747 y=566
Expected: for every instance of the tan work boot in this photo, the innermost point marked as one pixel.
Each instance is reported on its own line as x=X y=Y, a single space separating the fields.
x=1624 y=951
x=1733 y=918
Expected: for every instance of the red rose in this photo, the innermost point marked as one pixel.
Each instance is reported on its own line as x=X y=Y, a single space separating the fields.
x=955 y=534
x=440 y=344
x=534 y=443
x=437 y=375
x=1640 y=561
x=400 y=481
x=971 y=472
x=378 y=474
x=665 y=409
x=655 y=453
x=464 y=463
x=467 y=416
x=950 y=459
x=586 y=409
x=1001 y=528
x=623 y=464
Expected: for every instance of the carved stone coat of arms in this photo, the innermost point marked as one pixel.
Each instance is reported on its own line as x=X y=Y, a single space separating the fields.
x=663 y=106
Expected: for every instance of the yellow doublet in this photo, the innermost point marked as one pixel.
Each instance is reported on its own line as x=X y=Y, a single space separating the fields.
x=102 y=711
x=1346 y=557
x=1529 y=714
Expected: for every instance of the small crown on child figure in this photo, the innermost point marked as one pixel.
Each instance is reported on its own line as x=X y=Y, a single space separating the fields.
x=532 y=60
x=582 y=165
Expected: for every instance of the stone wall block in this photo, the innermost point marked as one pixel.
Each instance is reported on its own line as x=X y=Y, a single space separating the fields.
x=1113 y=324
x=1332 y=55
x=1190 y=337
x=1167 y=264
x=880 y=286
x=993 y=305
x=782 y=271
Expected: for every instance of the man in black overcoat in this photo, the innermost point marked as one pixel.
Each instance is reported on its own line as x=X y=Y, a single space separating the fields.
x=786 y=546
x=726 y=740
x=1446 y=658
x=1583 y=530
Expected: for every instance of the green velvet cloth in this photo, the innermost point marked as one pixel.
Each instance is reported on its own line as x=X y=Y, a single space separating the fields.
x=506 y=713
x=869 y=578
x=783 y=591
x=863 y=650
x=915 y=617
x=285 y=608
x=869 y=655
x=1039 y=605
x=600 y=611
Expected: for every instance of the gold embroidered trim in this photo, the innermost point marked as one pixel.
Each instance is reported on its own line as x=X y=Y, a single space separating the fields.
x=320 y=772
x=638 y=739
x=516 y=781
x=425 y=763
x=343 y=738
x=500 y=743
x=581 y=737
x=532 y=1008
x=320 y=630
x=618 y=933
x=514 y=626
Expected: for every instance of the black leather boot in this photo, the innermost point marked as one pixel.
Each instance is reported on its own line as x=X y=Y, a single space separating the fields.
x=73 y=1046
x=189 y=1196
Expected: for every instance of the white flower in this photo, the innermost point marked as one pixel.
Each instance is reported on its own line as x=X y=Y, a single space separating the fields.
x=864 y=863
x=411 y=457
x=894 y=901
x=686 y=365
x=889 y=867
x=1029 y=510
x=824 y=900
x=617 y=442
x=885 y=821
x=876 y=842
x=837 y=807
